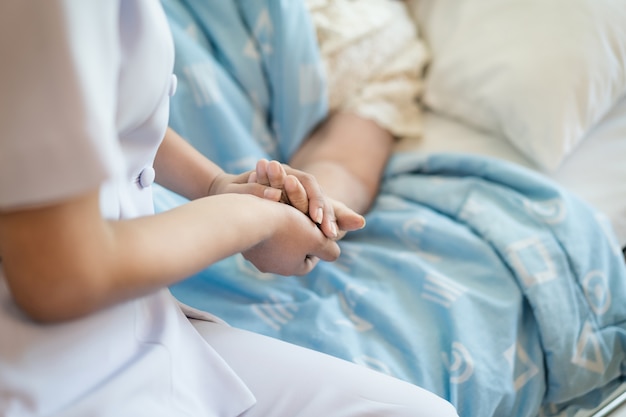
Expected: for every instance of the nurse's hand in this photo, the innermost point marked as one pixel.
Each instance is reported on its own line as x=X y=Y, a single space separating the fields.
x=294 y=247
x=225 y=183
x=302 y=191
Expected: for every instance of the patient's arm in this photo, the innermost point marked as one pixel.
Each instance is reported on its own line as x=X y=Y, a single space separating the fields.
x=347 y=155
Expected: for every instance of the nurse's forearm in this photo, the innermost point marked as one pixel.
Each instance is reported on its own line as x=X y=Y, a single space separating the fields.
x=65 y=261
x=181 y=168
x=347 y=155
x=162 y=249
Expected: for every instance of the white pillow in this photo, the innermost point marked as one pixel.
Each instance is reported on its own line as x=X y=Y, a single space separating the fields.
x=540 y=73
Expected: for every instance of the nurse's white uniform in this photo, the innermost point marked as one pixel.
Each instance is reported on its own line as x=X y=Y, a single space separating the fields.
x=85 y=90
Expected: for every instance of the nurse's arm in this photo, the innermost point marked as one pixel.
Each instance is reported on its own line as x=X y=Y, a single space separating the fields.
x=65 y=261
x=182 y=169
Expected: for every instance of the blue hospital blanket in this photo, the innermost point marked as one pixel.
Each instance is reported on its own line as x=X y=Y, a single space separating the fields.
x=476 y=279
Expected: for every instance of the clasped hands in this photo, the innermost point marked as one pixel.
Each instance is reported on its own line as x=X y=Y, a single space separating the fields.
x=278 y=182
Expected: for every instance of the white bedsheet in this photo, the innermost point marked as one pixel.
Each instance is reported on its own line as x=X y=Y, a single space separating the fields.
x=596 y=171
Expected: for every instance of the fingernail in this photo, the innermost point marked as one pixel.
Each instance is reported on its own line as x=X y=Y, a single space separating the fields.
x=333 y=229
x=319 y=215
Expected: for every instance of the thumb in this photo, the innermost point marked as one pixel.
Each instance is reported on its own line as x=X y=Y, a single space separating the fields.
x=347 y=219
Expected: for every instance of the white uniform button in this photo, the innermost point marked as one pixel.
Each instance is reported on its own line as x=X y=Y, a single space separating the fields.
x=173 y=85
x=146 y=178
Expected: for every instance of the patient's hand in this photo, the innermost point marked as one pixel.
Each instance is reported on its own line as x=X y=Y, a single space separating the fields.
x=274 y=174
x=302 y=191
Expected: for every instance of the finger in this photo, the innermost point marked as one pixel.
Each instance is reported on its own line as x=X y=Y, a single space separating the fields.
x=343 y=220
x=258 y=190
x=328 y=251
x=329 y=227
x=308 y=265
x=276 y=174
x=261 y=172
x=318 y=207
x=268 y=193
x=296 y=194
x=347 y=219
x=341 y=234
x=272 y=194
x=324 y=248
x=252 y=178
x=242 y=178
x=314 y=193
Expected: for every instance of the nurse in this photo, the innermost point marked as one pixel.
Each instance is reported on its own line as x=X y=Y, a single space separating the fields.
x=87 y=326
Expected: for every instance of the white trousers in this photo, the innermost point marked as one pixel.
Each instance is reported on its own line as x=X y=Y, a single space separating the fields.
x=291 y=381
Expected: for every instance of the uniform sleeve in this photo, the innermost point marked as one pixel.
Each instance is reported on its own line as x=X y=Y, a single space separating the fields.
x=60 y=64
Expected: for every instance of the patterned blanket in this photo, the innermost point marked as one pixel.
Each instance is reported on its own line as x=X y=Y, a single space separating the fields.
x=474 y=278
